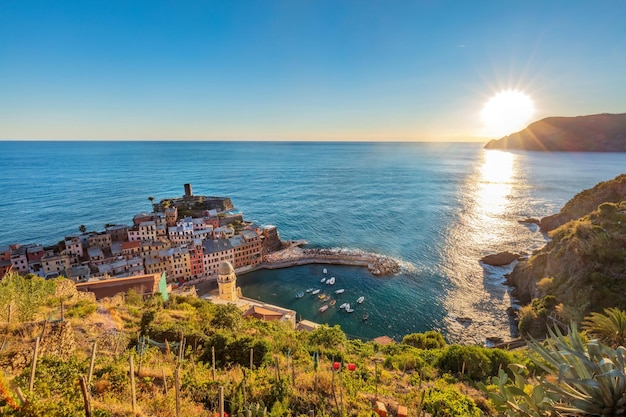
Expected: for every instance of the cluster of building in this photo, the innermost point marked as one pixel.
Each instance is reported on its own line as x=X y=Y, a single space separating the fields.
x=186 y=238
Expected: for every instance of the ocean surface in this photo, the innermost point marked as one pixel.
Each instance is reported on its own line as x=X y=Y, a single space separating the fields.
x=436 y=207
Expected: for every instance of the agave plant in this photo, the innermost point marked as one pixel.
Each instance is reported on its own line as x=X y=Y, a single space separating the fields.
x=590 y=378
x=582 y=379
x=609 y=328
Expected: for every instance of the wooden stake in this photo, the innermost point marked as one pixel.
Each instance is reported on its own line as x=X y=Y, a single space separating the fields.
x=20 y=395
x=92 y=361
x=9 y=314
x=63 y=312
x=251 y=358
x=86 y=397
x=311 y=413
x=33 y=367
x=167 y=349
x=164 y=381
x=463 y=369
x=177 y=388
x=132 y=382
x=213 y=361
x=221 y=391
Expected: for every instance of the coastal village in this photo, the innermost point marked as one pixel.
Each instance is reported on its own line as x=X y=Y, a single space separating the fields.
x=184 y=241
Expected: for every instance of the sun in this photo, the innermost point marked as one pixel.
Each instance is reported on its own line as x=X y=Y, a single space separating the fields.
x=507 y=112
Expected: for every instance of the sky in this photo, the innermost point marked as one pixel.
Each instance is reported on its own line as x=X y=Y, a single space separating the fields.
x=299 y=69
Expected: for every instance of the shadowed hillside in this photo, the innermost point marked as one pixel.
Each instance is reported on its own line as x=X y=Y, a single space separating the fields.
x=593 y=133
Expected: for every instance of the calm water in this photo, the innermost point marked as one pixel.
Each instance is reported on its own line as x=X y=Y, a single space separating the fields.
x=436 y=207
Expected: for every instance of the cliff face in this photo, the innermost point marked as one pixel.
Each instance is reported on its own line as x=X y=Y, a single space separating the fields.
x=586 y=201
x=593 y=133
x=584 y=266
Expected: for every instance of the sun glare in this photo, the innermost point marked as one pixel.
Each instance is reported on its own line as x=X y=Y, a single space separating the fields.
x=507 y=112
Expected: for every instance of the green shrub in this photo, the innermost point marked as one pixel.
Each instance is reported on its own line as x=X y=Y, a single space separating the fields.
x=83 y=308
x=472 y=360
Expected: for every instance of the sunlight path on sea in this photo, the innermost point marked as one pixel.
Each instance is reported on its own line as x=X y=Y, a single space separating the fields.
x=483 y=226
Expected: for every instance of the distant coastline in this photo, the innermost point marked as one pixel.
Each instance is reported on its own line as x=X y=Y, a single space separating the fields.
x=592 y=133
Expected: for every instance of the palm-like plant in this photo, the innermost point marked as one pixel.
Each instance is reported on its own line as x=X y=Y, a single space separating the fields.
x=609 y=328
x=583 y=379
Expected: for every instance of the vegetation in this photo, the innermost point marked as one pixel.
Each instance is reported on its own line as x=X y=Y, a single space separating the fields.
x=270 y=369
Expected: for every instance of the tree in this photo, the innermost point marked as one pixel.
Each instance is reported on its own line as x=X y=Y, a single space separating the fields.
x=328 y=337
x=227 y=317
x=151 y=199
x=609 y=328
x=82 y=228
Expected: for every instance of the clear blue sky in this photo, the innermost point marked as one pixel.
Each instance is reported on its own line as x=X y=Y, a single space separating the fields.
x=299 y=70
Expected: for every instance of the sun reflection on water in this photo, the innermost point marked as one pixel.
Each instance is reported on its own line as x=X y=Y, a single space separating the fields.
x=484 y=226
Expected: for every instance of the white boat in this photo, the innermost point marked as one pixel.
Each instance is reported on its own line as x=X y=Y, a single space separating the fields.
x=344 y=305
x=360 y=299
x=325 y=271
x=323 y=308
x=339 y=291
x=349 y=310
x=315 y=292
x=309 y=289
x=323 y=279
x=347 y=306
x=331 y=281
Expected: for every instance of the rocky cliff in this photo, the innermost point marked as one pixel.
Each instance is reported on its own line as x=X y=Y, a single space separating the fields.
x=584 y=265
x=593 y=133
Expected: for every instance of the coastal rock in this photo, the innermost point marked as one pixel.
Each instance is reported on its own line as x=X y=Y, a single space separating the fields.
x=499 y=259
x=530 y=220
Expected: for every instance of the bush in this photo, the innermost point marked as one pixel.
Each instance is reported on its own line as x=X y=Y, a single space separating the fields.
x=83 y=308
x=472 y=360
x=428 y=340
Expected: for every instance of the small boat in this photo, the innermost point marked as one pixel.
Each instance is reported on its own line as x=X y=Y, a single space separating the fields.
x=339 y=291
x=343 y=305
x=323 y=308
x=323 y=297
x=333 y=302
x=360 y=299
x=325 y=271
x=331 y=281
x=350 y=310
x=347 y=306
x=315 y=292
x=365 y=316
x=323 y=279
x=300 y=294
x=309 y=289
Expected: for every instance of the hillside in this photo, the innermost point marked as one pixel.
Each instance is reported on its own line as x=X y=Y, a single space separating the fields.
x=128 y=356
x=583 y=268
x=593 y=133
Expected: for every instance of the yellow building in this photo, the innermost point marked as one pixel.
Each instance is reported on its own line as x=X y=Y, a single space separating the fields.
x=227 y=282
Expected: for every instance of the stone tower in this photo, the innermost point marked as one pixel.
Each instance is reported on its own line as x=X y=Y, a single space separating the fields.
x=227 y=282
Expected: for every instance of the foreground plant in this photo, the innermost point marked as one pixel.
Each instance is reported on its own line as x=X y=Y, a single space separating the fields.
x=582 y=379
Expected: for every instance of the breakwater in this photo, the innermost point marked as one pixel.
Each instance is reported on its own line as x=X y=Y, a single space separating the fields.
x=295 y=256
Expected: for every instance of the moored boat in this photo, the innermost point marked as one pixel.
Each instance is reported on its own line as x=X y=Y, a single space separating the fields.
x=325 y=271
x=323 y=308
x=365 y=316
x=309 y=289
x=315 y=292
x=300 y=294
x=331 y=281
x=323 y=279
x=349 y=310
x=343 y=305
x=339 y=291
x=360 y=299
x=333 y=302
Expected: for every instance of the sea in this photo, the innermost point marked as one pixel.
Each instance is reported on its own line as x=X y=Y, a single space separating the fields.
x=435 y=207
